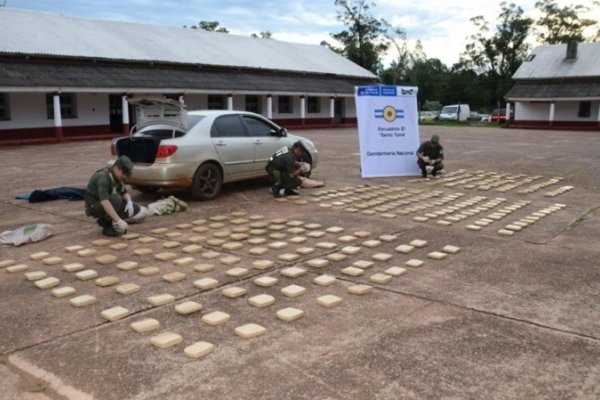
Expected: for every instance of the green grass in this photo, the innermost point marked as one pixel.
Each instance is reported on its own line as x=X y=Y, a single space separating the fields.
x=40 y=387
x=581 y=219
x=572 y=171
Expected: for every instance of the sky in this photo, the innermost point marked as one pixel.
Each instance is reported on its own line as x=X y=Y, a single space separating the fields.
x=442 y=26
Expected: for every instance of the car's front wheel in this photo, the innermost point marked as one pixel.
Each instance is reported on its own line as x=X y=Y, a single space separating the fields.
x=207 y=182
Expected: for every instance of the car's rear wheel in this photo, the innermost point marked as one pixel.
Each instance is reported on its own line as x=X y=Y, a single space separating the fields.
x=207 y=182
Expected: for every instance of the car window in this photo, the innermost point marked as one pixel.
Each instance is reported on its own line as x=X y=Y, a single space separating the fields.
x=228 y=126
x=449 y=110
x=192 y=120
x=258 y=127
x=160 y=133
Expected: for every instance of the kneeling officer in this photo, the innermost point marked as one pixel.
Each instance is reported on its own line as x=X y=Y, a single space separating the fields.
x=284 y=170
x=107 y=200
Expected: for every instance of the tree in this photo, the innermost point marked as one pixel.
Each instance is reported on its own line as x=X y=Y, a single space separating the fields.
x=263 y=35
x=363 y=41
x=498 y=55
x=211 y=26
x=431 y=77
x=562 y=24
x=405 y=56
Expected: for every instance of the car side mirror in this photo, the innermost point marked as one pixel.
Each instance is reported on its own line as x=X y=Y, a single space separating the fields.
x=283 y=132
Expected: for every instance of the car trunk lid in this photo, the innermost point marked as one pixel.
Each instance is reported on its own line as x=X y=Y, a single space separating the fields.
x=158 y=111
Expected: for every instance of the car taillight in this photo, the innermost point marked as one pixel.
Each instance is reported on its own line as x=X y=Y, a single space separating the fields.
x=165 y=150
x=113 y=149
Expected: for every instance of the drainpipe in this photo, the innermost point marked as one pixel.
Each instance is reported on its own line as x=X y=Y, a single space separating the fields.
x=57 y=117
x=230 y=102
x=507 y=120
x=551 y=116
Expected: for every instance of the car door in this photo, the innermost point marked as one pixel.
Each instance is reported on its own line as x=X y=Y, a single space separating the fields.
x=234 y=146
x=266 y=139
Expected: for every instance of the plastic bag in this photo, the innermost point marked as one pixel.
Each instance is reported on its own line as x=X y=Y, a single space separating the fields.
x=167 y=206
x=26 y=234
x=310 y=183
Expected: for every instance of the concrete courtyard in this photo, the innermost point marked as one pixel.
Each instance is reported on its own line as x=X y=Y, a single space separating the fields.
x=507 y=317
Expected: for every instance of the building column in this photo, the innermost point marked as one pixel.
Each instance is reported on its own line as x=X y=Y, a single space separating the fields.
x=303 y=110
x=551 y=115
x=125 y=114
x=57 y=117
x=332 y=110
x=270 y=107
x=507 y=121
x=598 y=119
x=230 y=102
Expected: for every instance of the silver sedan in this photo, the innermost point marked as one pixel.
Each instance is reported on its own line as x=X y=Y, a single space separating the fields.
x=201 y=150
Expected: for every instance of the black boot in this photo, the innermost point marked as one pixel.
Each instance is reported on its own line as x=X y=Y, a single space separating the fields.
x=275 y=190
x=104 y=223
x=110 y=231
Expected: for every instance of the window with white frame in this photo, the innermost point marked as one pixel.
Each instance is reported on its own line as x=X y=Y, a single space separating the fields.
x=313 y=105
x=285 y=105
x=4 y=109
x=68 y=105
x=253 y=104
x=216 y=102
x=585 y=109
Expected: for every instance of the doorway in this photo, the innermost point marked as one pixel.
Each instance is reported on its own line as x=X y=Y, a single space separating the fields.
x=115 y=111
x=338 y=115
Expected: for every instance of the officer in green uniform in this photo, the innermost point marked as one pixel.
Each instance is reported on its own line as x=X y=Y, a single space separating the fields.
x=430 y=152
x=107 y=200
x=283 y=171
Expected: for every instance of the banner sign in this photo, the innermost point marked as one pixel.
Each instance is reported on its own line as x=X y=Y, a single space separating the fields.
x=388 y=130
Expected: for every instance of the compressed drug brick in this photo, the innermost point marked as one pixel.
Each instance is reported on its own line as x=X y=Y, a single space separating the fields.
x=145 y=325
x=83 y=300
x=127 y=288
x=329 y=300
x=215 y=318
x=206 y=283
x=289 y=314
x=198 y=349
x=166 y=339
x=266 y=281
x=324 y=280
x=114 y=313
x=107 y=281
x=360 y=289
x=233 y=292
x=249 y=331
x=47 y=283
x=188 y=307
x=63 y=291
x=261 y=300
x=161 y=299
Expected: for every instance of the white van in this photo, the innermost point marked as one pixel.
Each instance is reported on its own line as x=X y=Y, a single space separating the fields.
x=455 y=112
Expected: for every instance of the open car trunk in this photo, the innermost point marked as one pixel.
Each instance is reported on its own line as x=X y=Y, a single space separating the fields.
x=157 y=119
x=140 y=150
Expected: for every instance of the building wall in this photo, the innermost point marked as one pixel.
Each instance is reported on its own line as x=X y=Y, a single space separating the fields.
x=528 y=114
x=29 y=122
x=28 y=110
x=563 y=111
x=532 y=111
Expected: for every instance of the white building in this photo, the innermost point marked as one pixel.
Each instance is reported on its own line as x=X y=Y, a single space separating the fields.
x=558 y=87
x=68 y=78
